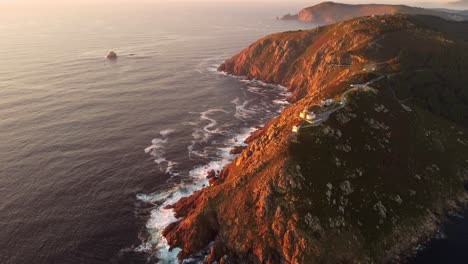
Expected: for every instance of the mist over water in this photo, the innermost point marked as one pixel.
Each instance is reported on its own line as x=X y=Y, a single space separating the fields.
x=92 y=149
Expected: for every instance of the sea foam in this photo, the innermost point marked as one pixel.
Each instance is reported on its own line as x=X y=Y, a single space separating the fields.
x=161 y=217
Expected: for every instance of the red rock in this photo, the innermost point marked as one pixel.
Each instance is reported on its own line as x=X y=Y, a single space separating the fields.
x=211 y=174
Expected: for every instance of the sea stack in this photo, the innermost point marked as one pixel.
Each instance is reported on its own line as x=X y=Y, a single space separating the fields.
x=111 y=56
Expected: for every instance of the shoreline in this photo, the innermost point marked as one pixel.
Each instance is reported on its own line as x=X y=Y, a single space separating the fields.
x=428 y=230
x=309 y=206
x=160 y=248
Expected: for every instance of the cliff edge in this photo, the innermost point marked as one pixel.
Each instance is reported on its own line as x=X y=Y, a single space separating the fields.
x=371 y=169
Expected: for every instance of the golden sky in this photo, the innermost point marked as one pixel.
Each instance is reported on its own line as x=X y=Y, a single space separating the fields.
x=303 y=3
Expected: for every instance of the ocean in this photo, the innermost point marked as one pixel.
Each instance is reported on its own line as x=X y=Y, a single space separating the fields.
x=92 y=149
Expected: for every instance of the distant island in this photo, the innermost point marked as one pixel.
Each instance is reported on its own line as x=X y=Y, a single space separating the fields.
x=331 y=12
x=364 y=164
x=460 y=4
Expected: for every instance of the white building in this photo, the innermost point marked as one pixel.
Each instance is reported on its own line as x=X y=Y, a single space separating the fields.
x=308 y=116
x=327 y=102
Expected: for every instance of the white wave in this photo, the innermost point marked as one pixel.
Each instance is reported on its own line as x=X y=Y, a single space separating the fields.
x=256 y=90
x=213 y=122
x=281 y=102
x=239 y=77
x=167 y=132
x=170 y=167
x=212 y=69
x=156 y=149
x=203 y=134
x=161 y=217
x=245 y=109
x=255 y=82
x=156 y=146
x=209 y=64
x=242 y=111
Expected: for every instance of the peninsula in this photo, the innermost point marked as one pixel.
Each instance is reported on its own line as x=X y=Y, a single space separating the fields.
x=331 y=12
x=368 y=183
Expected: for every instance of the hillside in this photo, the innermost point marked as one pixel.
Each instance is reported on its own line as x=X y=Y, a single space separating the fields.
x=372 y=177
x=458 y=4
x=331 y=12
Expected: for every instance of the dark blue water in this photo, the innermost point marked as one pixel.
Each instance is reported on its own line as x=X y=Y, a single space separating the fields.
x=91 y=149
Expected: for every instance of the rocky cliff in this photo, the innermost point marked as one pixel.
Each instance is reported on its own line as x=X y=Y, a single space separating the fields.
x=367 y=182
x=331 y=12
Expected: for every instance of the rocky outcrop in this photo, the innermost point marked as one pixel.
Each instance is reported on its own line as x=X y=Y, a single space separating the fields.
x=111 y=56
x=365 y=186
x=237 y=150
x=331 y=12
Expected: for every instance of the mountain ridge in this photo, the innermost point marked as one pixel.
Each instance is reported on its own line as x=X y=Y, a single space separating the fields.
x=331 y=12
x=372 y=180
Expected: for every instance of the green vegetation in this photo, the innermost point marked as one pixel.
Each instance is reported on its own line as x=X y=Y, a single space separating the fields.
x=367 y=184
x=436 y=81
x=398 y=164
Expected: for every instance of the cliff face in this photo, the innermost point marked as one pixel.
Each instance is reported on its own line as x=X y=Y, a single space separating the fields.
x=367 y=182
x=330 y=12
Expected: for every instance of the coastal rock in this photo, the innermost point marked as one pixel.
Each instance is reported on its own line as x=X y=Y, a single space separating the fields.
x=112 y=56
x=237 y=150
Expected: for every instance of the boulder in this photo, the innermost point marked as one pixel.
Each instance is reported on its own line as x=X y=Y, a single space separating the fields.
x=237 y=150
x=111 y=56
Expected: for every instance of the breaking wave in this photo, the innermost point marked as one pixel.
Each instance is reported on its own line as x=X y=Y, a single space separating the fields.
x=214 y=134
x=156 y=149
x=161 y=217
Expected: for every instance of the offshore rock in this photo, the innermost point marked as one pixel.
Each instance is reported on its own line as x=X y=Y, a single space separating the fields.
x=111 y=56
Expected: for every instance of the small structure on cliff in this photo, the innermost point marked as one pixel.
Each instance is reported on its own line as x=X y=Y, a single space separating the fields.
x=307 y=116
x=327 y=102
x=296 y=129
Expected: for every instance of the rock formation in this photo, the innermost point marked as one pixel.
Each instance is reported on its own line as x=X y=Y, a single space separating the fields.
x=111 y=56
x=368 y=184
x=237 y=150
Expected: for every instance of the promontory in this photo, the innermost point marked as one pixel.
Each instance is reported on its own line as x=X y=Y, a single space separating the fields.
x=364 y=164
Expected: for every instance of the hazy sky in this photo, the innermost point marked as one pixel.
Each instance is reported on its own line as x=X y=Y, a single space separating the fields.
x=290 y=3
x=45 y=2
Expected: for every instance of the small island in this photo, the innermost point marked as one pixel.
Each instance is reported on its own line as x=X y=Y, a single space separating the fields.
x=111 y=56
x=331 y=12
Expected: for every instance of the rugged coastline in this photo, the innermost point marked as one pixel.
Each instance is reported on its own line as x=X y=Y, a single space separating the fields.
x=332 y=12
x=369 y=184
